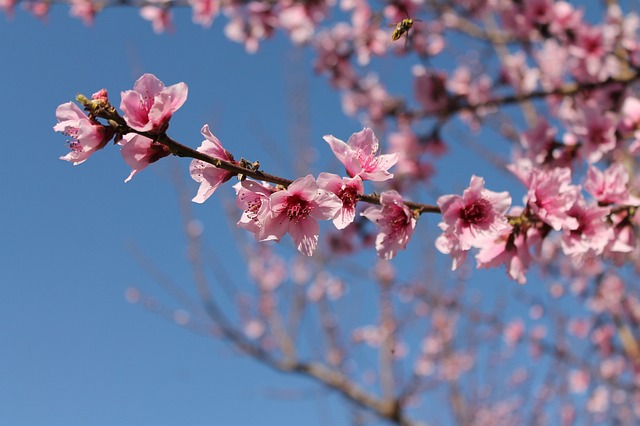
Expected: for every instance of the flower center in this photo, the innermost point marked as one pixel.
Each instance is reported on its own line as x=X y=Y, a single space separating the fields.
x=348 y=196
x=476 y=212
x=297 y=209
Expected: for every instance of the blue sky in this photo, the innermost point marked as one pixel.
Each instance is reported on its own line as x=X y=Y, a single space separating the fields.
x=74 y=352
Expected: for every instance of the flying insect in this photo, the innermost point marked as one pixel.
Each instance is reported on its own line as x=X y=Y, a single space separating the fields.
x=402 y=29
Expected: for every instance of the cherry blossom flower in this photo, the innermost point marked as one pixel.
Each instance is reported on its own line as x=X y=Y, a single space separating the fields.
x=209 y=176
x=590 y=53
x=593 y=233
x=610 y=186
x=369 y=95
x=368 y=38
x=396 y=222
x=511 y=249
x=552 y=62
x=540 y=146
x=87 y=135
x=296 y=210
x=204 y=11
x=516 y=72
x=301 y=19
x=448 y=243
x=139 y=151
x=160 y=16
x=332 y=56
x=253 y=199
x=430 y=89
x=477 y=213
x=150 y=105
x=360 y=156
x=347 y=190
x=85 y=10
x=258 y=23
x=578 y=381
x=595 y=129
x=550 y=194
x=9 y=7
x=513 y=332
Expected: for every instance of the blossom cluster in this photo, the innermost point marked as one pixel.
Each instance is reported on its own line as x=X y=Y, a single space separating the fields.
x=269 y=212
x=479 y=219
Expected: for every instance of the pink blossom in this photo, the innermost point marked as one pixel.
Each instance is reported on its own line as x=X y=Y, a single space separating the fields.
x=540 y=145
x=477 y=213
x=508 y=248
x=591 y=58
x=160 y=16
x=565 y=20
x=449 y=243
x=430 y=90
x=139 y=151
x=253 y=199
x=550 y=194
x=39 y=9
x=360 y=156
x=552 y=61
x=259 y=23
x=630 y=114
x=332 y=57
x=296 y=210
x=624 y=239
x=513 y=332
x=578 y=381
x=209 y=176
x=347 y=190
x=370 y=95
x=592 y=234
x=301 y=19
x=325 y=285
x=610 y=186
x=87 y=135
x=86 y=10
x=9 y=7
x=595 y=129
x=396 y=222
x=267 y=269
x=204 y=11
x=150 y=105
x=516 y=73
x=368 y=38
x=630 y=122
x=599 y=400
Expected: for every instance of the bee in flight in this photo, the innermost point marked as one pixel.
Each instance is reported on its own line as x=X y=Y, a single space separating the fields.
x=402 y=29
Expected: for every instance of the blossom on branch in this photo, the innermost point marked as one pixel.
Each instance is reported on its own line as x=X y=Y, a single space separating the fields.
x=159 y=13
x=610 y=186
x=478 y=212
x=209 y=176
x=396 y=222
x=510 y=248
x=469 y=220
x=139 y=151
x=87 y=135
x=347 y=190
x=253 y=199
x=360 y=156
x=550 y=194
x=150 y=105
x=296 y=210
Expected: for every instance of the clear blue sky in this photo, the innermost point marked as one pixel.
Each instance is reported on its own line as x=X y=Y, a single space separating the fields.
x=73 y=351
